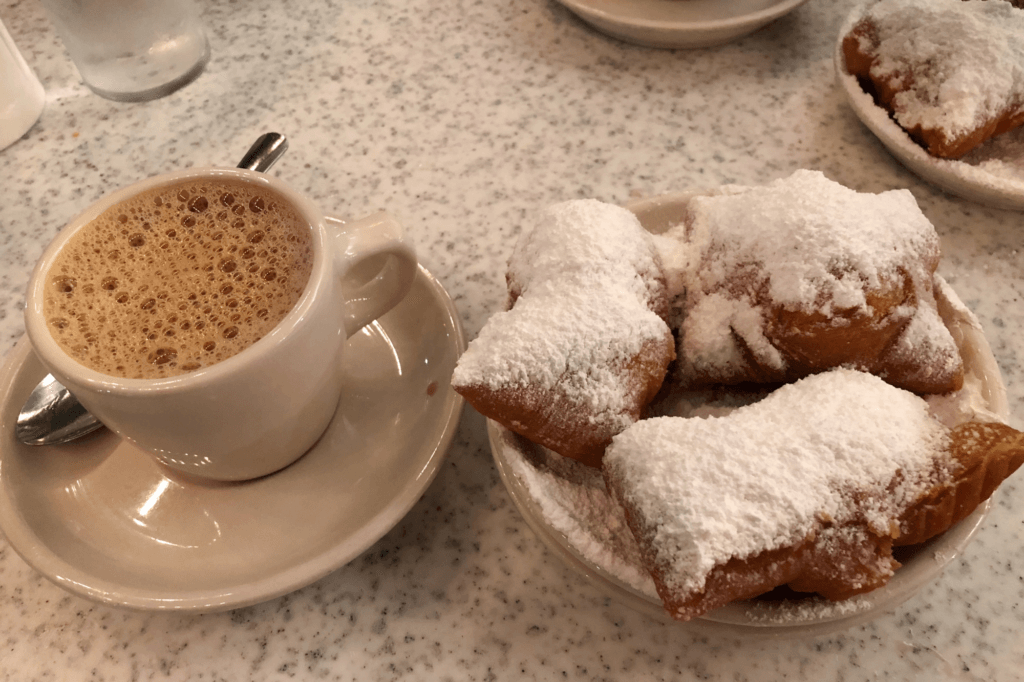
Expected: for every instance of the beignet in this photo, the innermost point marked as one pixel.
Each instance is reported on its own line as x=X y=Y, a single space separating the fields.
x=583 y=349
x=951 y=73
x=803 y=275
x=809 y=487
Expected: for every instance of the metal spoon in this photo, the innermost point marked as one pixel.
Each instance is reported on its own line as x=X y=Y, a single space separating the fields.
x=52 y=415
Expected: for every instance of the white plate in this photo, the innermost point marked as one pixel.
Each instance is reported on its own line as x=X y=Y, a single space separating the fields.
x=992 y=174
x=567 y=505
x=101 y=519
x=679 y=23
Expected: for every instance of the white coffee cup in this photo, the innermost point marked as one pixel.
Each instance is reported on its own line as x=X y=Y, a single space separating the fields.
x=258 y=411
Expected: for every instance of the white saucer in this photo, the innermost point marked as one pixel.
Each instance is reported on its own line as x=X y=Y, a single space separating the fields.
x=679 y=23
x=104 y=521
x=567 y=505
x=992 y=174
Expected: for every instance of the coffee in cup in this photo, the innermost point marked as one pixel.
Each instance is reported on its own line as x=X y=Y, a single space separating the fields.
x=177 y=278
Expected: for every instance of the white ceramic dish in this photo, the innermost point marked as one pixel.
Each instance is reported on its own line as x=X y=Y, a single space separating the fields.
x=105 y=521
x=568 y=507
x=992 y=175
x=679 y=23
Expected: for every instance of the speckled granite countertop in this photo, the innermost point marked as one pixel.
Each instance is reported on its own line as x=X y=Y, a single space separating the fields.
x=462 y=118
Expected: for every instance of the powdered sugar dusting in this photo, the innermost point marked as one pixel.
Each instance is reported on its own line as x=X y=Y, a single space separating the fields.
x=574 y=333
x=762 y=478
x=821 y=242
x=958 y=64
x=1001 y=157
x=573 y=500
x=926 y=336
x=585 y=277
x=586 y=236
x=812 y=609
x=802 y=243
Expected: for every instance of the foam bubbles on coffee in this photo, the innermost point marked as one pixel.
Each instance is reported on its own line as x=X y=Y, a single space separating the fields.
x=178 y=278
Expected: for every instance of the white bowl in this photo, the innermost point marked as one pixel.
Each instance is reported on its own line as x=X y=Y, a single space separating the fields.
x=576 y=518
x=679 y=23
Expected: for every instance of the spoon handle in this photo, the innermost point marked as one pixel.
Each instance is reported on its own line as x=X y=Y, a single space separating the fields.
x=264 y=152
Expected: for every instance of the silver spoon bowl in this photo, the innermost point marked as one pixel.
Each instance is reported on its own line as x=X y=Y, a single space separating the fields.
x=51 y=415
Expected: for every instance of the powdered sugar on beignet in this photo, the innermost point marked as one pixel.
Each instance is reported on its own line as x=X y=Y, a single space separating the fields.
x=951 y=72
x=589 y=236
x=577 y=335
x=842 y=452
x=583 y=349
x=802 y=275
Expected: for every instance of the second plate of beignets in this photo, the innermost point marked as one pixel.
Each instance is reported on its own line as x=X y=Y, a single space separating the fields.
x=951 y=73
x=803 y=275
x=809 y=487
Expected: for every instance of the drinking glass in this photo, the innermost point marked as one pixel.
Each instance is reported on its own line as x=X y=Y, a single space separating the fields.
x=132 y=50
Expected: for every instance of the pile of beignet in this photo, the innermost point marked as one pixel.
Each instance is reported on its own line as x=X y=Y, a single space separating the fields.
x=803 y=285
x=950 y=72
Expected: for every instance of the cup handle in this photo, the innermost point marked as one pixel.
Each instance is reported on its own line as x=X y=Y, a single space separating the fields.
x=376 y=265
